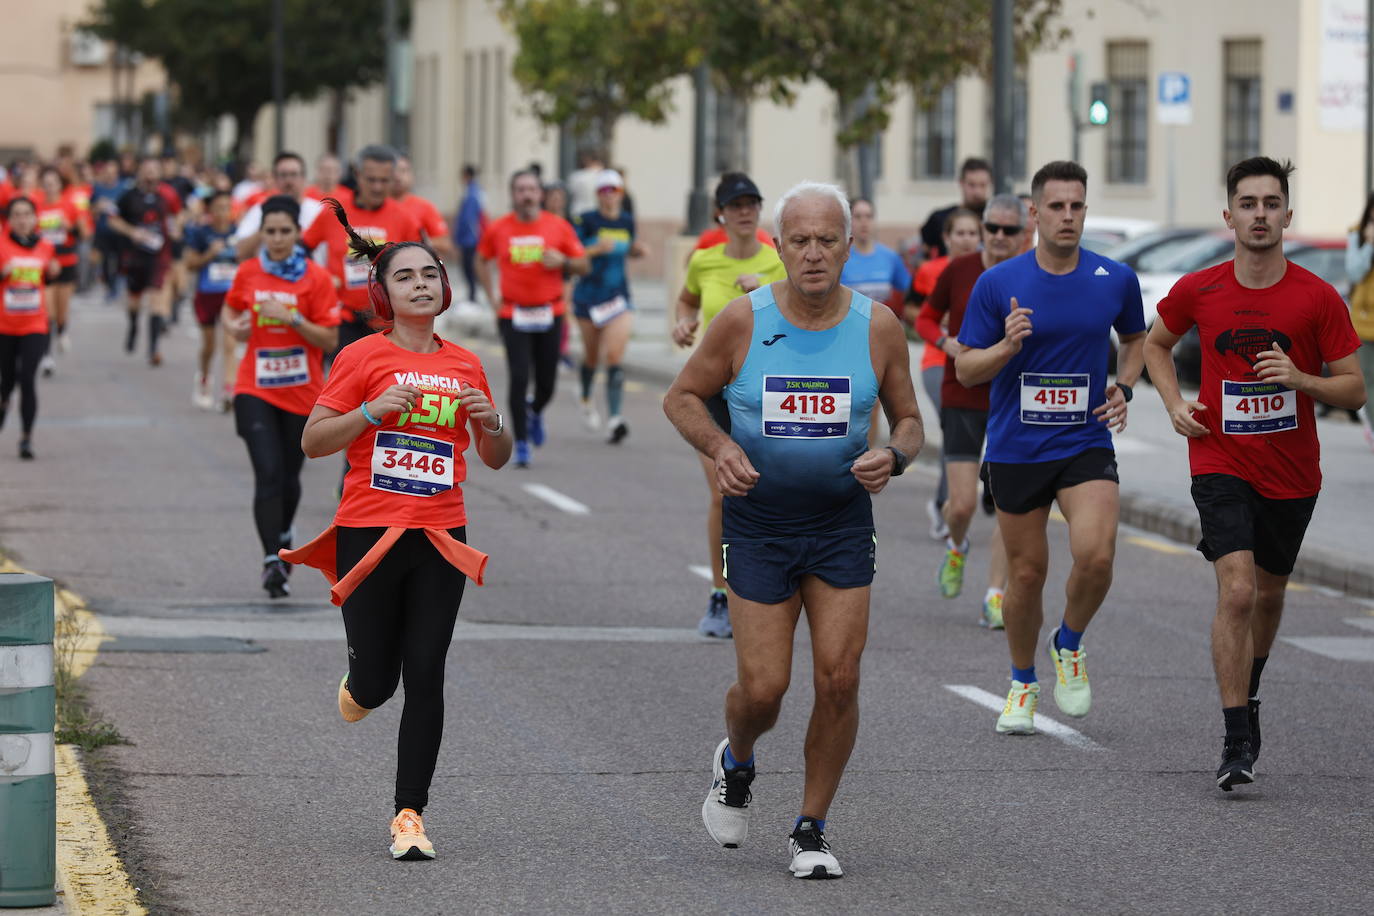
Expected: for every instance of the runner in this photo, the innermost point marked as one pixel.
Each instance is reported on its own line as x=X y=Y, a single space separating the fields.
x=282 y=305
x=105 y=194
x=405 y=404
x=532 y=247
x=210 y=252
x=144 y=218
x=873 y=269
x=375 y=216
x=1050 y=422
x=1266 y=326
x=431 y=221
x=288 y=174
x=601 y=300
x=468 y=226
x=964 y=411
x=27 y=262
x=798 y=526
x=328 y=174
x=715 y=276
x=975 y=186
x=62 y=223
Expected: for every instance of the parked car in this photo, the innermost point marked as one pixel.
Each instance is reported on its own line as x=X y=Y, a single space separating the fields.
x=1152 y=246
x=1103 y=232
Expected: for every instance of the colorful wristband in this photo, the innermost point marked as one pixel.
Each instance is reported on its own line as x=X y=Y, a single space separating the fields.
x=369 y=417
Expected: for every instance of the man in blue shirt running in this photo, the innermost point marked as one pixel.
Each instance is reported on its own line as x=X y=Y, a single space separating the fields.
x=801 y=362
x=1039 y=328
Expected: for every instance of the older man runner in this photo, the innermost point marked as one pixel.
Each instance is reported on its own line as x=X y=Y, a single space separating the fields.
x=1050 y=421
x=801 y=362
x=1266 y=327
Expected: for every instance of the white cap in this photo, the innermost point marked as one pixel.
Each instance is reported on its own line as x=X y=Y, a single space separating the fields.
x=609 y=178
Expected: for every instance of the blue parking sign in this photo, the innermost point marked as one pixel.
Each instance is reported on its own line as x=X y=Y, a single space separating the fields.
x=1175 y=99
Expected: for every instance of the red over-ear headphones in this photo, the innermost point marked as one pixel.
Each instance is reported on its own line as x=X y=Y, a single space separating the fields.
x=381 y=299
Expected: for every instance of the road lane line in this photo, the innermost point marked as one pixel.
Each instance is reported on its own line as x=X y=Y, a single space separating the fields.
x=703 y=571
x=1043 y=723
x=1162 y=546
x=556 y=499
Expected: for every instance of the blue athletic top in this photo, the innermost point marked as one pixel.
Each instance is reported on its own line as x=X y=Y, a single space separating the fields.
x=1041 y=402
x=606 y=280
x=218 y=275
x=876 y=275
x=800 y=409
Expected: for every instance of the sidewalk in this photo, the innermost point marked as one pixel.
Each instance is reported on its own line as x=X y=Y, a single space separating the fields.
x=1153 y=460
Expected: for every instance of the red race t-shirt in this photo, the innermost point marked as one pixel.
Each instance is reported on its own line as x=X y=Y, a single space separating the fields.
x=23 y=277
x=406 y=472
x=1260 y=431
x=388 y=223
x=426 y=214
x=340 y=192
x=950 y=296
x=57 y=220
x=519 y=248
x=280 y=366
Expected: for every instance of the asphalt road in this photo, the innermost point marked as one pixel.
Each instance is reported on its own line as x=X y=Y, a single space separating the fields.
x=582 y=709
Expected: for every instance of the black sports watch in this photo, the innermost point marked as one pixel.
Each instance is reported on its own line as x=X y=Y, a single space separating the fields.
x=1126 y=391
x=899 y=461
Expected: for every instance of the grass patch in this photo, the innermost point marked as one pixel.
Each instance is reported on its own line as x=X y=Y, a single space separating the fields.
x=77 y=721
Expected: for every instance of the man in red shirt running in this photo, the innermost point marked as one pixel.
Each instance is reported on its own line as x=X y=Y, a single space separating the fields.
x=431 y=221
x=1266 y=326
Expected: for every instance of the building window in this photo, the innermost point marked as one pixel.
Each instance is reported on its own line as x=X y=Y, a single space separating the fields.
x=728 y=118
x=1241 y=137
x=1128 y=131
x=1019 y=119
x=932 y=136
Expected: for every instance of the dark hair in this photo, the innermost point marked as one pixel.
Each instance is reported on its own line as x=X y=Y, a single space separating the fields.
x=283 y=156
x=1058 y=170
x=61 y=179
x=216 y=195
x=282 y=203
x=974 y=164
x=521 y=173
x=1258 y=165
x=376 y=152
x=860 y=199
x=379 y=253
x=959 y=213
x=21 y=199
x=470 y=171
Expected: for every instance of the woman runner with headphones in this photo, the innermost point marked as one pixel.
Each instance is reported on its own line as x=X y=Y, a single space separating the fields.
x=405 y=404
x=282 y=304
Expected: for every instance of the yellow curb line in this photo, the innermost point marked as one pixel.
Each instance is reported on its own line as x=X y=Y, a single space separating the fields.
x=91 y=880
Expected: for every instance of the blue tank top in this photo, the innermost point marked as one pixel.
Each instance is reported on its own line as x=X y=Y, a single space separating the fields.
x=800 y=409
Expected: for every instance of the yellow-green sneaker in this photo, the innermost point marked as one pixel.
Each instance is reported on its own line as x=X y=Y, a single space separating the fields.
x=951 y=575
x=1072 y=694
x=992 y=612
x=1018 y=716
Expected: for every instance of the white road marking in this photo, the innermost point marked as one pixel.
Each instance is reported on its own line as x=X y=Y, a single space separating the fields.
x=1364 y=623
x=556 y=499
x=703 y=571
x=1126 y=446
x=1043 y=723
x=1341 y=648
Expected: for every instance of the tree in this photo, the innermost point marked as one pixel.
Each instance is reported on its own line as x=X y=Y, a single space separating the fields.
x=218 y=53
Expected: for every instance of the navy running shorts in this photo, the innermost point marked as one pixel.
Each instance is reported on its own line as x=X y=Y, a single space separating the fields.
x=769 y=571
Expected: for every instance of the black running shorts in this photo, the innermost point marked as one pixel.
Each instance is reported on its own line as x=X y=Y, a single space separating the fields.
x=964 y=430
x=1235 y=517
x=1022 y=488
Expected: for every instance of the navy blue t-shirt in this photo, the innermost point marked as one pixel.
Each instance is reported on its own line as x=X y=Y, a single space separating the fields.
x=218 y=275
x=1041 y=402
x=607 y=277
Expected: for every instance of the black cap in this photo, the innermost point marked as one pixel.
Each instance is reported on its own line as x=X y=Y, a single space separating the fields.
x=734 y=186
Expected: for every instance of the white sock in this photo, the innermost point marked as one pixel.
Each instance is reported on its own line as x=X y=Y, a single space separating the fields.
x=953 y=546
x=993 y=593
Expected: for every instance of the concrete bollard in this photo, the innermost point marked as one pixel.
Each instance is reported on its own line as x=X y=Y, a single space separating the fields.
x=28 y=710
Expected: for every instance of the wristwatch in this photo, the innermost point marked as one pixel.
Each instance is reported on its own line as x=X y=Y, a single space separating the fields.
x=297 y=319
x=500 y=425
x=1126 y=391
x=899 y=461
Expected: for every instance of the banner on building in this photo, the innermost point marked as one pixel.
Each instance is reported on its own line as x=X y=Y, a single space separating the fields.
x=1344 y=43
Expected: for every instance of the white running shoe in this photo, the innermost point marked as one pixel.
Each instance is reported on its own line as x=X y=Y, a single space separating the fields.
x=47 y=365
x=811 y=857
x=726 y=809
x=200 y=394
x=1072 y=694
x=64 y=345
x=938 y=529
x=590 y=418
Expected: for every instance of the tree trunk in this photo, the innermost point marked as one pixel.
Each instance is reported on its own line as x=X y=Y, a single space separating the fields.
x=244 y=124
x=333 y=130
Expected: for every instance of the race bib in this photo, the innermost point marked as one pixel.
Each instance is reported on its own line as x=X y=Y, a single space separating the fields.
x=1054 y=400
x=221 y=273
x=151 y=240
x=532 y=319
x=356 y=273
x=1250 y=408
x=607 y=312
x=413 y=465
x=21 y=299
x=806 y=407
x=282 y=367
x=57 y=236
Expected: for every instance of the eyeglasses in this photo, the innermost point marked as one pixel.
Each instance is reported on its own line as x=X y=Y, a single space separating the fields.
x=994 y=228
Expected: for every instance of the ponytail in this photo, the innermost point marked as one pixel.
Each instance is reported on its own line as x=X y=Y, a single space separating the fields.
x=363 y=248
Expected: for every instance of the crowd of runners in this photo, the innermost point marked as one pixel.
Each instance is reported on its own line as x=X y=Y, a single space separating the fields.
x=318 y=301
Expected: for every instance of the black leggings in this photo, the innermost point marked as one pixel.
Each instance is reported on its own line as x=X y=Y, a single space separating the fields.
x=19 y=356
x=470 y=270
x=399 y=622
x=273 y=437
x=523 y=350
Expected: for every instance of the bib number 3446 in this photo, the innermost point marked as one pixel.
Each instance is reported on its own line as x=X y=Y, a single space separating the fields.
x=413 y=465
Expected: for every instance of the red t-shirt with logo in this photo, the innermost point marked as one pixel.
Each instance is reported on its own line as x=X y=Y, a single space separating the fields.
x=519 y=248
x=950 y=296
x=340 y=192
x=1261 y=432
x=407 y=471
x=57 y=221
x=23 y=278
x=426 y=214
x=280 y=366
x=388 y=223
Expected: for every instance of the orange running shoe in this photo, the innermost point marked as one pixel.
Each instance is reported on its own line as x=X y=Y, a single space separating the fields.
x=408 y=840
x=350 y=710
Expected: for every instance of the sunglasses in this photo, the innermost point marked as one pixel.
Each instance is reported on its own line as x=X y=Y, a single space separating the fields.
x=994 y=228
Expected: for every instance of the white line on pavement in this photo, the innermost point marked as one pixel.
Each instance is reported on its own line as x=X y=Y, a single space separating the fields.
x=556 y=499
x=1043 y=723
x=703 y=571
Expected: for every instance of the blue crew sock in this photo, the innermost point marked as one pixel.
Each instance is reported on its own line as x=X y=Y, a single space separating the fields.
x=1068 y=639
x=615 y=389
x=1024 y=675
x=818 y=821
x=588 y=375
x=732 y=764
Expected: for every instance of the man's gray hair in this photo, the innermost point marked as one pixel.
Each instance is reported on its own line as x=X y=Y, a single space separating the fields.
x=812 y=189
x=1007 y=202
x=376 y=152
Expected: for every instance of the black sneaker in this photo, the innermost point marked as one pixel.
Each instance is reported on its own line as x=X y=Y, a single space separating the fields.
x=1237 y=764
x=274 y=579
x=25 y=450
x=811 y=856
x=1254 y=728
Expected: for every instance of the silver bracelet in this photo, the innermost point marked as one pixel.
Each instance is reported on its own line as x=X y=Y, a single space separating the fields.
x=500 y=426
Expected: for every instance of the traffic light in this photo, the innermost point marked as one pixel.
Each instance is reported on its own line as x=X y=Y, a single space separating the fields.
x=1099 y=109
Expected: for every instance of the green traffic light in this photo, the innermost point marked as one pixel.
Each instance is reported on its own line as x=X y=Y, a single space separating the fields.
x=1098 y=113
